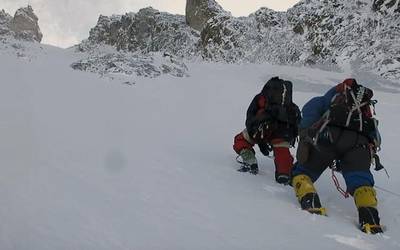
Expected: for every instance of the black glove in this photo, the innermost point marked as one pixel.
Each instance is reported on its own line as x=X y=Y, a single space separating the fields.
x=265 y=148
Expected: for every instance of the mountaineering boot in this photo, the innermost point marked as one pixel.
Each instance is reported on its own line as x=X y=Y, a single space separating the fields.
x=282 y=178
x=368 y=216
x=307 y=195
x=249 y=161
x=369 y=220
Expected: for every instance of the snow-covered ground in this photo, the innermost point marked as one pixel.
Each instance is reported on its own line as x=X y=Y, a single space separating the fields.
x=90 y=163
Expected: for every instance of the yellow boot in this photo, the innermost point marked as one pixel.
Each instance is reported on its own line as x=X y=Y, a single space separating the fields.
x=366 y=202
x=307 y=195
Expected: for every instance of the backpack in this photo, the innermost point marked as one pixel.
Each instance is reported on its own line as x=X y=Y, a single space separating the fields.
x=278 y=91
x=352 y=108
x=283 y=115
x=280 y=106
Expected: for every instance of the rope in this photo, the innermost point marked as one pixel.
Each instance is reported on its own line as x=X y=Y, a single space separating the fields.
x=337 y=185
x=387 y=174
x=345 y=193
x=241 y=162
x=387 y=191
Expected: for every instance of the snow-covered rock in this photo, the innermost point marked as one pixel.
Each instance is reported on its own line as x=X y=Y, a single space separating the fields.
x=261 y=37
x=148 y=44
x=386 y=6
x=110 y=62
x=5 y=20
x=146 y=31
x=332 y=33
x=338 y=34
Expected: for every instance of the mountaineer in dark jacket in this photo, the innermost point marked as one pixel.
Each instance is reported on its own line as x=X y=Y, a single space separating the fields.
x=349 y=143
x=271 y=122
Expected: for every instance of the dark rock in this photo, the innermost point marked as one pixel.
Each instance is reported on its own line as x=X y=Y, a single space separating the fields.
x=198 y=12
x=298 y=29
x=25 y=25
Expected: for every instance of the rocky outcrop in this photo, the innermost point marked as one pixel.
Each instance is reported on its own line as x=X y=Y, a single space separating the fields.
x=149 y=43
x=198 y=12
x=328 y=33
x=261 y=37
x=331 y=33
x=146 y=31
x=337 y=32
x=128 y=64
x=5 y=20
x=386 y=6
x=24 y=25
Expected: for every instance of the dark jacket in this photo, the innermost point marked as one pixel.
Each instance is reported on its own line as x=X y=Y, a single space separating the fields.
x=283 y=120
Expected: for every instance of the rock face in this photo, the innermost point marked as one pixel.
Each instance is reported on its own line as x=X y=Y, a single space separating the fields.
x=198 y=12
x=147 y=31
x=363 y=34
x=261 y=37
x=386 y=6
x=332 y=33
x=24 y=25
x=147 y=44
x=5 y=20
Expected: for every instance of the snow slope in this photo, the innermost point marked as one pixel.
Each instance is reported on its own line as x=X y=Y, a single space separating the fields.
x=91 y=163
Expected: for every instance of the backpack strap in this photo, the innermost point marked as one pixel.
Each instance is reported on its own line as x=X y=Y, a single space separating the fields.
x=319 y=126
x=262 y=102
x=284 y=94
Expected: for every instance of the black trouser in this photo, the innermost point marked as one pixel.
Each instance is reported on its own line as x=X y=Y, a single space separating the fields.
x=349 y=149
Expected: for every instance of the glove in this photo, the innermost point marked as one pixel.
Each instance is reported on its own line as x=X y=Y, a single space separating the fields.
x=265 y=148
x=375 y=137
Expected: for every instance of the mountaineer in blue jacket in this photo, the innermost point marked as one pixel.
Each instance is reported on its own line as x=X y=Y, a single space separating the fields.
x=338 y=129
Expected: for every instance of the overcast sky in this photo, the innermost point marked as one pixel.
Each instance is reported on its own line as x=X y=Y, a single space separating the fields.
x=67 y=22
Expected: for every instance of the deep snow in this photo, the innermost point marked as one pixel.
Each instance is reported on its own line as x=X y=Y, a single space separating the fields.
x=91 y=163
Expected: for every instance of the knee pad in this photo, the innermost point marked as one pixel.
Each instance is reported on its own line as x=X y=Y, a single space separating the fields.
x=365 y=196
x=303 y=185
x=240 y=142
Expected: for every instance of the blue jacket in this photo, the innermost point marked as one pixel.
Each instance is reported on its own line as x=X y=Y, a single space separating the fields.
x=315 y=108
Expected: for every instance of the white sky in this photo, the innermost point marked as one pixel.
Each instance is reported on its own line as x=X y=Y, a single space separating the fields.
x=67 y=22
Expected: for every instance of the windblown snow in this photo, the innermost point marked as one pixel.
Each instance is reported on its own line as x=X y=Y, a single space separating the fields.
x=129 y=162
